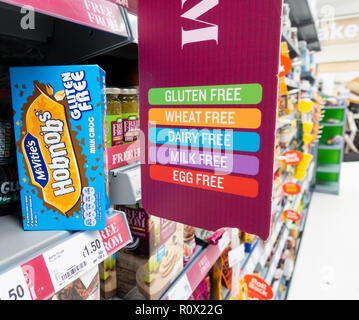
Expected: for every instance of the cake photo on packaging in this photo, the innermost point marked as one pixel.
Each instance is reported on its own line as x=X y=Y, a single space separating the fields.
x=60 y=133
x=147 y=267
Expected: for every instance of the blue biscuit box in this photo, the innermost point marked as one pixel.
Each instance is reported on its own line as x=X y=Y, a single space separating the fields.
x=60 y=133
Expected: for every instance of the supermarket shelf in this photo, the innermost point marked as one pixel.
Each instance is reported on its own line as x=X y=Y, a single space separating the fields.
x=269 y=244
x=55 y=258
x=305 y=87
x=21 y=245
x=293 y=50
x=251 y=260
x=329 y=107
x=338 y=124
x=302 y=18
x=78 y=12
x=291 y=84
x=125 y=184
x=338 y=146
x=196 y=269
x=323 y=186
x=309 y=76
x=285 y=120
x=49 y=41
x=325 y=167
x=271 y=270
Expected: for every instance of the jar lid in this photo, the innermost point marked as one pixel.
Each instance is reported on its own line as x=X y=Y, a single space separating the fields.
x=128 y=91
x=112 y=90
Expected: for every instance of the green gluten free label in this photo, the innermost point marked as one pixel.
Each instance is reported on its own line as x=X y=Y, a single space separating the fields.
x=207 y=95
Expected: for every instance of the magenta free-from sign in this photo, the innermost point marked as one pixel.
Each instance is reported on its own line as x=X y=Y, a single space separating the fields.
x=208 y=101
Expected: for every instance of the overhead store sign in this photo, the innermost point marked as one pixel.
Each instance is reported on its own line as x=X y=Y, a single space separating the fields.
x=337 y=32
x=208 y=95
x=99 y=14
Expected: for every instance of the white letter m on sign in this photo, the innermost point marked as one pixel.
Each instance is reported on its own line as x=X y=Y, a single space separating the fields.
x=203 y=34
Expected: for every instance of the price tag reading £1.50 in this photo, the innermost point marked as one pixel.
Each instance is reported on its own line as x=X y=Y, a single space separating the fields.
x=13 y=285
x=69 y=260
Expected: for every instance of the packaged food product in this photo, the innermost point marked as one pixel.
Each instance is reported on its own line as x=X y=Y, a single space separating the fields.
x=189 y=243
x=9 y=184
x=86 y=287
x=108 y=277
x=155 y=257
x=221 y=275
x=114 y=117
x=61 y=137
x=130 y=114
x=201 y=292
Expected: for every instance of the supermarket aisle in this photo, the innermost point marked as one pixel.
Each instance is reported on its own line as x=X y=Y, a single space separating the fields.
x=328 y=260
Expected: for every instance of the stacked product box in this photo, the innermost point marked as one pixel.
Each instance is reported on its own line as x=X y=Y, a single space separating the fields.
x=61 y=140
x=152 y=262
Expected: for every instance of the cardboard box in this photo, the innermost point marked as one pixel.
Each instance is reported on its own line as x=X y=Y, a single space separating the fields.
x=86 y=287
x=108 y=278
x=153 y=260
x=61 y=137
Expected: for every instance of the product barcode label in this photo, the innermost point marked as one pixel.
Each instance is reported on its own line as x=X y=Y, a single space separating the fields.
x=73 y=271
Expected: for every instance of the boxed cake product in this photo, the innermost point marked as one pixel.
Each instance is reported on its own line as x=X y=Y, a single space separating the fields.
x=86 y=287
x=153 y=260
x=189 y=243
x=61 y=140
x=108 y=279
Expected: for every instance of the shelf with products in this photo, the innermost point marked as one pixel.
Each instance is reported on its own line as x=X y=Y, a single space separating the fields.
x=308 y=75
x=196 y=269
x=54 y=258
x=125 y=186
x=302 y=18
x=291 y=84
x=276 y=257
x=32 y=253
x=293 y=49
x=337 y=146
x=331 y=143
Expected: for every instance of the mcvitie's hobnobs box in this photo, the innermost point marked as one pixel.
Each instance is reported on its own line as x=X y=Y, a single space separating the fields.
x=60 y=133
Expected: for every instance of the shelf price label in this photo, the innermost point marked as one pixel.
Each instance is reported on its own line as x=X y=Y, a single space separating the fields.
x=224 y=241
x=69 y=260
x=13 y=285
x=181 y=291
x=291 y=215
x=292 y=157
x=258 y=289
x=235 y=256
x=291 y=188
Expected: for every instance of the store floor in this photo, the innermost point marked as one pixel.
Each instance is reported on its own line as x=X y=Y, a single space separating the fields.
x=328 y=260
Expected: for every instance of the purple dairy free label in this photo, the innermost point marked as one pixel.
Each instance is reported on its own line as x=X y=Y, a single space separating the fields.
x=208 y=95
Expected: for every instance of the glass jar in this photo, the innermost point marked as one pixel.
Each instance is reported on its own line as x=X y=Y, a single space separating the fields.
x=130 y=114
x=114 y=117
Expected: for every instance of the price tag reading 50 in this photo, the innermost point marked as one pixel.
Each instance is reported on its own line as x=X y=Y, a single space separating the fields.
x=13 y=286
